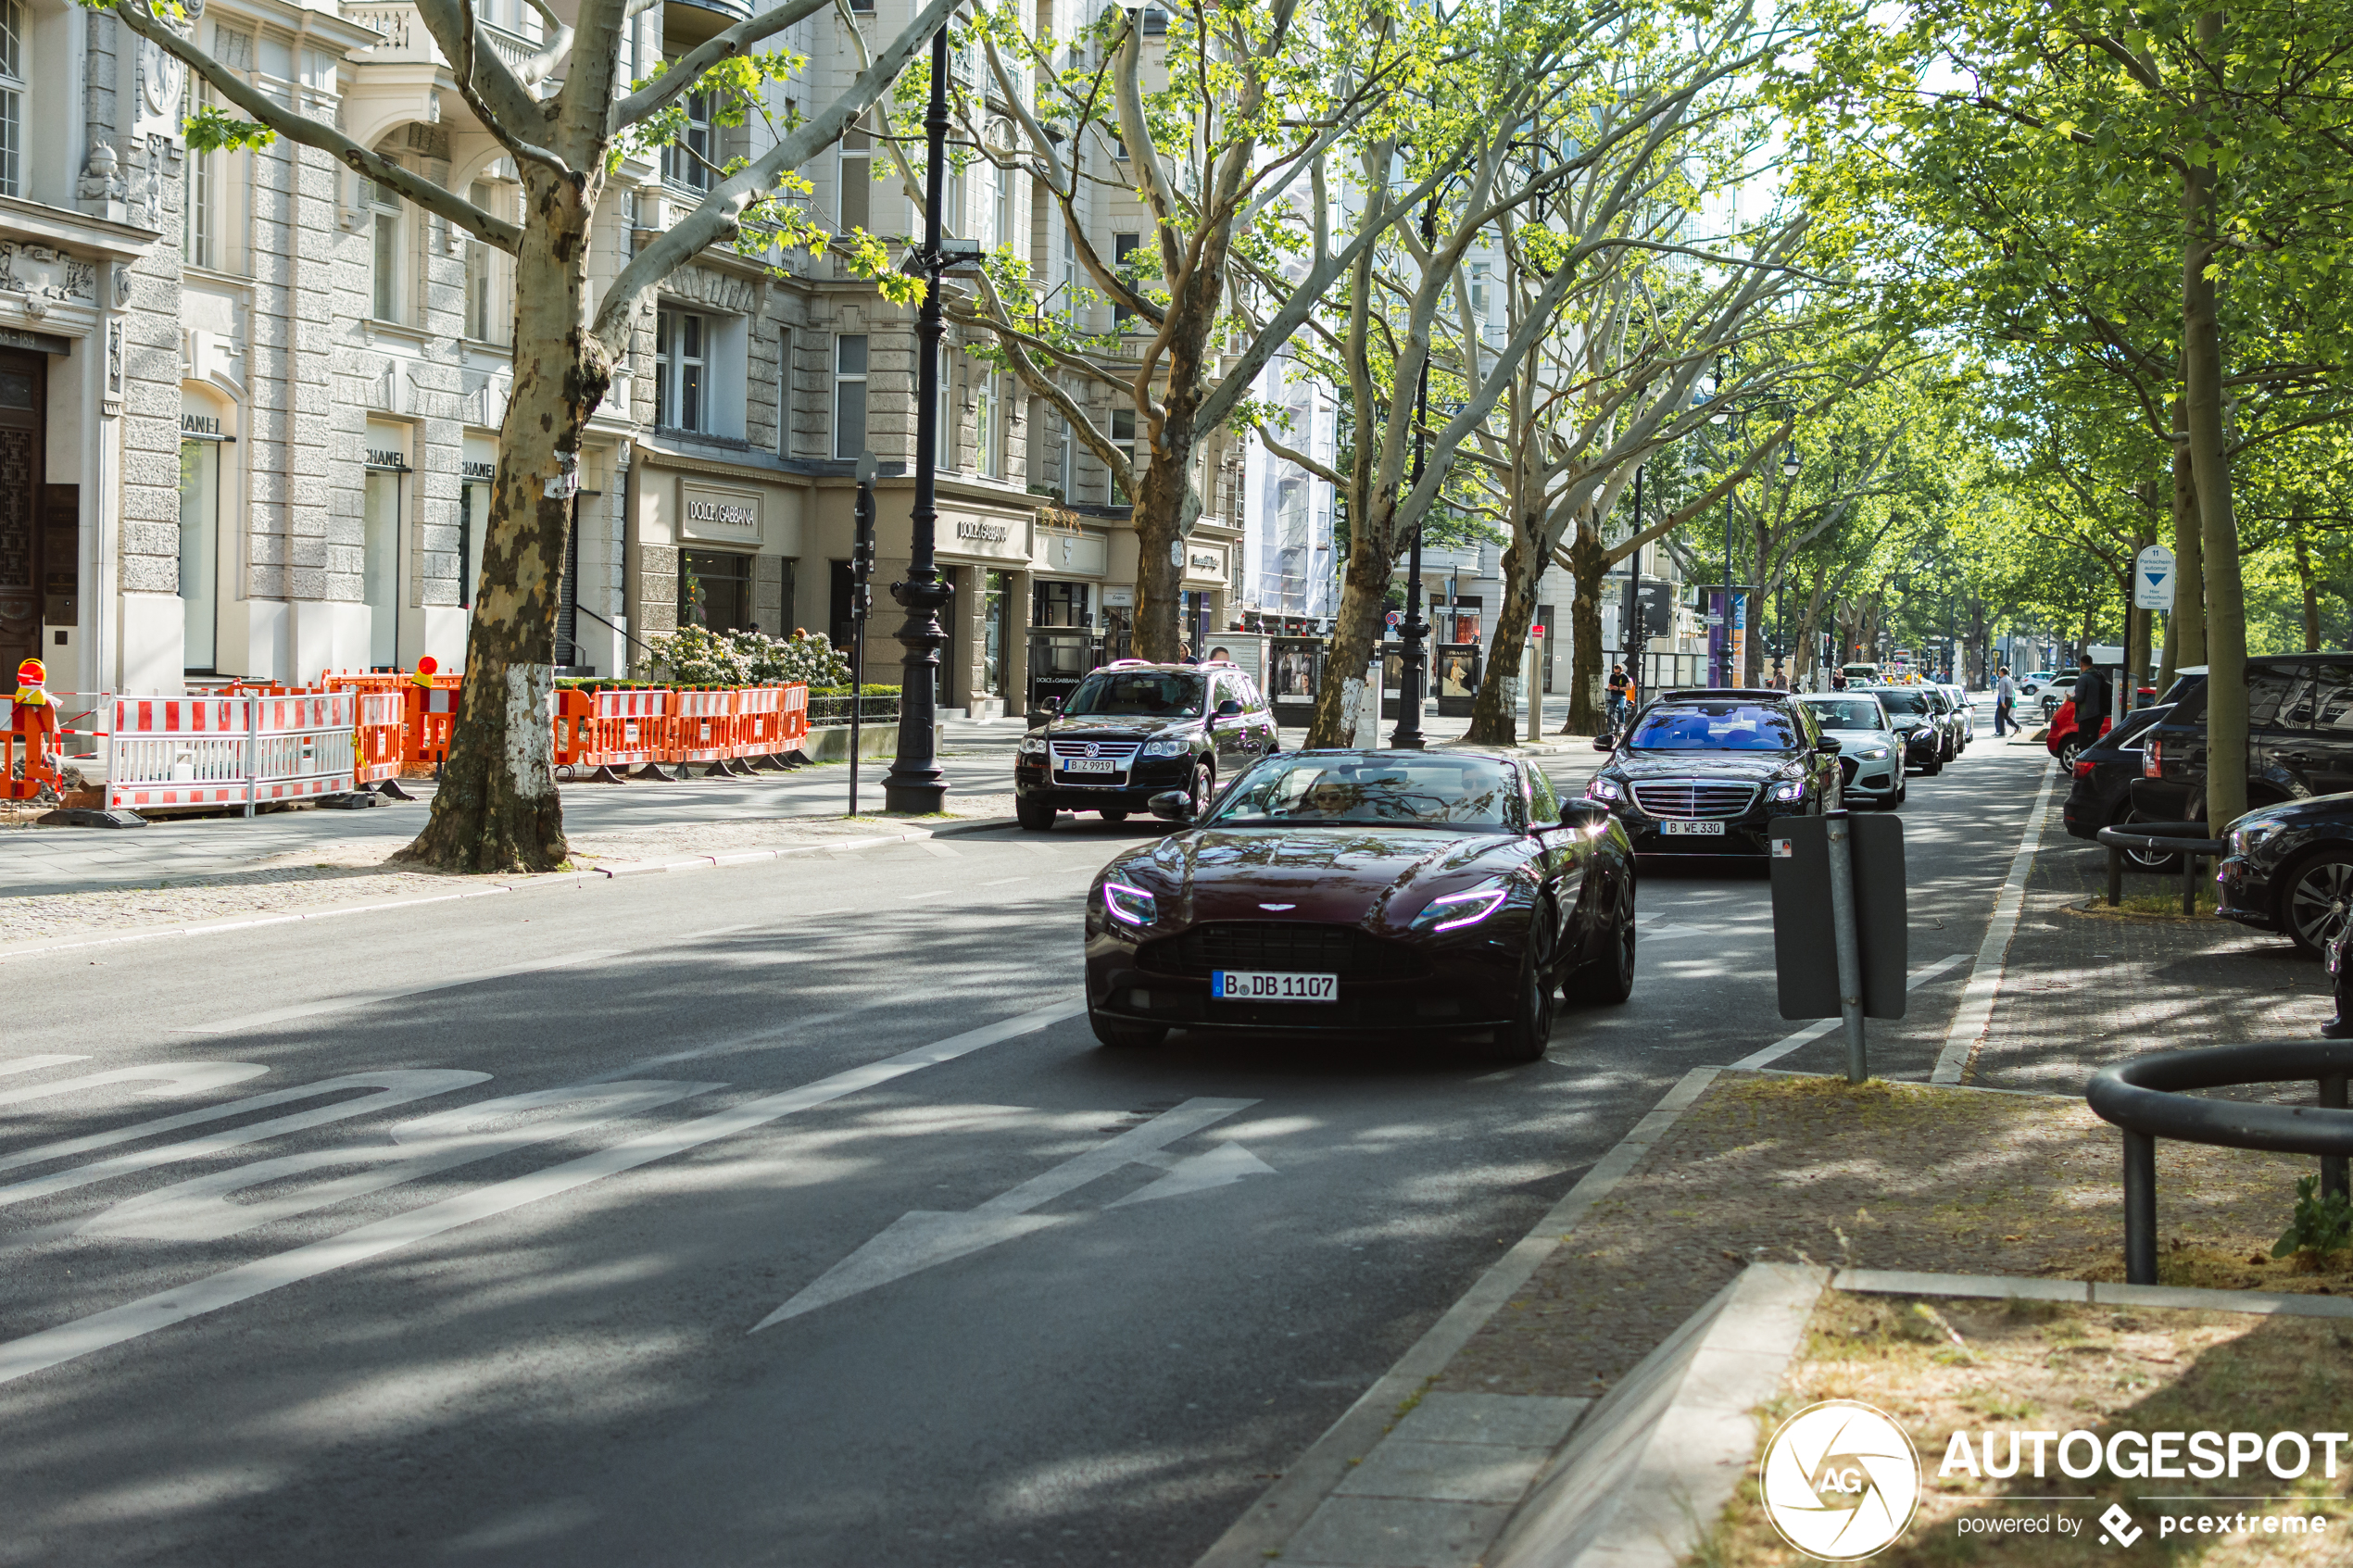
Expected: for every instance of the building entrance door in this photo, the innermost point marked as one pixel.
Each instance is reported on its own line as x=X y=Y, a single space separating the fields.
x=22 y=400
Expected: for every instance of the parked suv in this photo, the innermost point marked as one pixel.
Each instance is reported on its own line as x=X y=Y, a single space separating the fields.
x=2299 y=739
x=1132 y=730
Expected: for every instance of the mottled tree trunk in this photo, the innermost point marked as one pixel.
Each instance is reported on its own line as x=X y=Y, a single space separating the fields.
x=2226 y=716
x=2304 y=582
x=1495 y=714
x=1363 y=596
x=1588 y=565
x=1164 y=500
x=495 y=809
x=2186 y=625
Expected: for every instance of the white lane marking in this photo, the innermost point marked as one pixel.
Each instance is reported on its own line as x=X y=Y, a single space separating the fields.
x=396 y=1088
x=35 y=1063
x=1002 y=881
x=179 y=1078
x=53 y=1347
x=917 y=1240
x=363 y=998
x=1975 y=1015
x=944 y=851
x=1782 y=1046
x=1222 y=1166
x=202 y=1209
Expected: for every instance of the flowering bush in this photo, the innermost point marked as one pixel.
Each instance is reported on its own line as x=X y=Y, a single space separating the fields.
x=695 y=656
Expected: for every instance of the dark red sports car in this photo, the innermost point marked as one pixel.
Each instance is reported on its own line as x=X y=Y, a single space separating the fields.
x=1364 y=891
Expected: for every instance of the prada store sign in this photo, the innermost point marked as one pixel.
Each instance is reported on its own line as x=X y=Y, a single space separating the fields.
x=721 y=515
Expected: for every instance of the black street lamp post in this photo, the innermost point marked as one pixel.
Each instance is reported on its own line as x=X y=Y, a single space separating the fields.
x=862 y=601
x=1413 y=649
x=916 y=782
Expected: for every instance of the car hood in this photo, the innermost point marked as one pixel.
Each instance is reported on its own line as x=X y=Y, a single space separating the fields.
x=1347 y=875
x=1640 y=765
x=1108 y=726
x=2321 y=809
x=1850 y=739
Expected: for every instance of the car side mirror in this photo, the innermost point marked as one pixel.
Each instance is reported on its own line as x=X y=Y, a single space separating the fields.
x=1049 y=705
x=1229 y=709
x=1171 y=805
x=1828 y=747
x=1582 y=813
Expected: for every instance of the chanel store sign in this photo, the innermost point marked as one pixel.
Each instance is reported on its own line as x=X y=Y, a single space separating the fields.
x=729 y=517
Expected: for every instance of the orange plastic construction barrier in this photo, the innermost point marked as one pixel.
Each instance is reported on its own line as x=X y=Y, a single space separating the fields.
x=28 y=761
x=702 y=728
x=376 y=745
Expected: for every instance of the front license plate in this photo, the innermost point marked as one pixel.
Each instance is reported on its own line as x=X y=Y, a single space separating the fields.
x=1090 y=764
x=1258 y=985
x=1696 y=830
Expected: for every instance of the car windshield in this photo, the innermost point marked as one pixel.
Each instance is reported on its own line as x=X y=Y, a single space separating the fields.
x=1849 y=713
x=1141 y=694
x=1910 y=704
x=1306 y=789
x=1715 y=726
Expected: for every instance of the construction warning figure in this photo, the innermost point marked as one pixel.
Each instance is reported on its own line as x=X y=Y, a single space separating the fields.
x=31 y=742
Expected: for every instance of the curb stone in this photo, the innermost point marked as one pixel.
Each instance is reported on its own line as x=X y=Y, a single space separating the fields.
x=1284 y=1508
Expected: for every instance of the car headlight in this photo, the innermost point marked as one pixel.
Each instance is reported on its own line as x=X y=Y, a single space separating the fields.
x=1166 y=748
x=1129 y=906
x=1450 y=911
x=1599 y=788
x=2253 y=837
x=1793 y=789
x=1923 y=733
x=1033 y=746
x=1872 y=754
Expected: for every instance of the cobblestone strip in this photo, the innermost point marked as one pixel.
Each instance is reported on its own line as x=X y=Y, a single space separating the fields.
x=1975 y=1015
x=1286 y=1506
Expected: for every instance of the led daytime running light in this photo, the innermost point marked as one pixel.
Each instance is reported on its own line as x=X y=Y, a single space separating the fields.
x=1129 y=906
x=1486 y=899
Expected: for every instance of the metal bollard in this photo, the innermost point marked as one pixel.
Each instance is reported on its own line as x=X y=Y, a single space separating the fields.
x=2189 y=884
x=2333 y=1166
x=1850 y=951
x=2115 y=876
x=2140 y=1207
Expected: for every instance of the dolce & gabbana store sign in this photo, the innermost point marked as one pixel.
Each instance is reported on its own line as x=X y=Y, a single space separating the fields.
x=718 y=514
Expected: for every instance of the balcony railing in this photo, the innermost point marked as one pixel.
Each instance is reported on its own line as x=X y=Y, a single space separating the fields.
x=407 y=39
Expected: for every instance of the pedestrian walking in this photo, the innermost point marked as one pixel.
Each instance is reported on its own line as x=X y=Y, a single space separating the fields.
x=2005 y=698
x=2090 y=697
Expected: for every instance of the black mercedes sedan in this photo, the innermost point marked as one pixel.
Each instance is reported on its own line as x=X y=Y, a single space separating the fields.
x=1706 y=772
x=1362 y=892
x=1928 y=745
x=2289 y=869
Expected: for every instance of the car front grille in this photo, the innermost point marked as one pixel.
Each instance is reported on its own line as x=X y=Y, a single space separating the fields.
x=1122 y=751
x=1122 y=754
x=1291 y=946
x=1694 y=798
x=1846 y=768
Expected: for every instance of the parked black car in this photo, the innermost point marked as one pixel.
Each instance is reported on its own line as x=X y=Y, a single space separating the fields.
x=2299 y=739
x=1131 y=730
x=2289 y=869
x=1706 y=772
x=2102 y=794
x=1928 y=745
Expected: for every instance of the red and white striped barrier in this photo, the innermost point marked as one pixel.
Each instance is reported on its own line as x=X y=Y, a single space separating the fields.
x=302 y=746
x=168 y=751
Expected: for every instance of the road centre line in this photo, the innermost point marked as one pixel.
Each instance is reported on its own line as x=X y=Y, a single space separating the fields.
x=1975 y=1015
x=68 y=1341
x=1812 y=1032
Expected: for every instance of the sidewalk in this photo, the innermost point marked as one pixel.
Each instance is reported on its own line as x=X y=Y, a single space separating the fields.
x=2010 y=1177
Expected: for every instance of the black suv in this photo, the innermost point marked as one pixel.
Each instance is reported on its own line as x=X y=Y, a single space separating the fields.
x=1706 y=772
x=2299 y=739
x=1132 y=730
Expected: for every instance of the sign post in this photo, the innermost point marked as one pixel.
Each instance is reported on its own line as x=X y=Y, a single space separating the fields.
x=2153 y=579
x=1840 y=942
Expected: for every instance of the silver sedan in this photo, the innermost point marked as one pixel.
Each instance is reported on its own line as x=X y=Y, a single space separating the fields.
x=1871 y=754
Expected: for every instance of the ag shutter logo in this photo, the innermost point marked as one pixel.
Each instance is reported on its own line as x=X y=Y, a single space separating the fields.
x=1841 y=1480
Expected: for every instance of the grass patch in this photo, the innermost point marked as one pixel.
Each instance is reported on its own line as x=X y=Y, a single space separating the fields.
x=2059 y=1367
x=2154 y=906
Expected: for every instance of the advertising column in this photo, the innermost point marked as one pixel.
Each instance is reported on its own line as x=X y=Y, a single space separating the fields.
x=1727 y=636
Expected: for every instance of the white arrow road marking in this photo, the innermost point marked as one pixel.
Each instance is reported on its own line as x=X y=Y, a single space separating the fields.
x=396 y=1088
x=1222 y=1166
x=21 y=1358
x=179 y=1078
x=35 y=1063
x=915 y=1241
x=203 y=1209
x=363 y=998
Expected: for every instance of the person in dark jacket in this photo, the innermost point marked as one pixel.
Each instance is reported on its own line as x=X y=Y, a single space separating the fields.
x=2091 y=695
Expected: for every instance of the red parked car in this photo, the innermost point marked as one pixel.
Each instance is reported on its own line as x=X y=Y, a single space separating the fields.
x=2065 y=740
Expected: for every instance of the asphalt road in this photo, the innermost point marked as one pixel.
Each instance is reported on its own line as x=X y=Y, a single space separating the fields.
x=449 y=1236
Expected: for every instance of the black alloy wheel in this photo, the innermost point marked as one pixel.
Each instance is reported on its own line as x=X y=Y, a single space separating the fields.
x=1932 y=767
x=1034 y=815
x=1609 y=978
x=1530 y=1029
x=1115 y=814
x=1124 y=1037
x=1197 y=793
x=2316 y=897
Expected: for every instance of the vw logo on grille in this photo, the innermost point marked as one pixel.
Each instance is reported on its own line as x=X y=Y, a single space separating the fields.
x=1093 y=750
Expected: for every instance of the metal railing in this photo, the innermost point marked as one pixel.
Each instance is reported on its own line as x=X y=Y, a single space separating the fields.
x=826 y=712
x=2149 y=1099
x=2160 y=838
